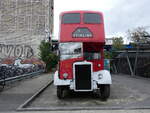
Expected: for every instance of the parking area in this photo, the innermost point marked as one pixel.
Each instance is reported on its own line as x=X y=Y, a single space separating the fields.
x=126 y=93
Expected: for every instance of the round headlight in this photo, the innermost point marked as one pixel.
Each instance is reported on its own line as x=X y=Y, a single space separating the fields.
x=65 y=75
x=100 y=76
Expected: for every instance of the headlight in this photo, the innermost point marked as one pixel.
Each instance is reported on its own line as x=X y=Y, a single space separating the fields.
x=100 y=76
x=65 y=75
x=99 y=65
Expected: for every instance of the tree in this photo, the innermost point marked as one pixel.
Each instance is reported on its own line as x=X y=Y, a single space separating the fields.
x=116 y=46
x=47 y=55
x=117 y=43
x=139 y=35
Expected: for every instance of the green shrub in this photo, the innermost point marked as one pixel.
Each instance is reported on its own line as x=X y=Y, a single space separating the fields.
x=47 y=55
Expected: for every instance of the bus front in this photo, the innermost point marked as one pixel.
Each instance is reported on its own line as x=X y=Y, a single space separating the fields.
x=81 y=66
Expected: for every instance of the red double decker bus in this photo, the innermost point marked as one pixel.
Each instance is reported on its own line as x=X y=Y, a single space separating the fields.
x=81 y=65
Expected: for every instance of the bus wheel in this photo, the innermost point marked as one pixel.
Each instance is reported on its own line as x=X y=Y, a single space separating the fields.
x=60 y=92
x=105 y=91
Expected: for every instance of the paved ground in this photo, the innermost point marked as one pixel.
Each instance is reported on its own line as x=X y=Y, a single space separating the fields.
x=17 y=93
x=86 y=111
x=126 y=93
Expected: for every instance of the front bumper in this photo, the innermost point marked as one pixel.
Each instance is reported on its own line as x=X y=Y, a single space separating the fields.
x=106 y=79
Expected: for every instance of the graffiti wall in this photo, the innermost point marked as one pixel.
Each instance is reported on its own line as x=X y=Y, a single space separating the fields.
x=11 y=67
x=30 y=21
x=16 y=51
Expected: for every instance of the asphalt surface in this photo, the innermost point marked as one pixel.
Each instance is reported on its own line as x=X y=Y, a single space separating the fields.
x=126 y=93
x=17 y=93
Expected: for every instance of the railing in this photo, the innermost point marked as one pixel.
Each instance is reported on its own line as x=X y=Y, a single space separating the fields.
x=14 y=73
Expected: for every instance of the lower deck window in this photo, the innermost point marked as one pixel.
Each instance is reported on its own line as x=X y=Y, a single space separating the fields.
x=92 y=55
x=70 y=50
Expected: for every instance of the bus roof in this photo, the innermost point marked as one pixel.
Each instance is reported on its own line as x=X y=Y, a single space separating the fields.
x=81 y=11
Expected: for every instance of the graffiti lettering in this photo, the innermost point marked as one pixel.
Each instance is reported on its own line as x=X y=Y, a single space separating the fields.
x=16 y=51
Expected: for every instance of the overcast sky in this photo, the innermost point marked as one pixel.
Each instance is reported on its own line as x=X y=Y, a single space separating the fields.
x=119 y=15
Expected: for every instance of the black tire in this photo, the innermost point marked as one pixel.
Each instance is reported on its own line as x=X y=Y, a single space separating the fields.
x=60 y=92
x=105 y=91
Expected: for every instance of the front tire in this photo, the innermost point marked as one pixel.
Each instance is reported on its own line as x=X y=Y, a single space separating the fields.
x=60 y=92
x=105 y=91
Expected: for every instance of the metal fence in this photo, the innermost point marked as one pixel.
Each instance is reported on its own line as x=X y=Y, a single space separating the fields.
x=122 y=65
x=17 y=70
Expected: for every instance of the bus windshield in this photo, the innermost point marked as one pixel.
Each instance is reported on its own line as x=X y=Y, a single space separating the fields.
x=70 y=50
x=92 y=55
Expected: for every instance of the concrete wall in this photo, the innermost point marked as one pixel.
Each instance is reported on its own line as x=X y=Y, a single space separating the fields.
x=23 y=24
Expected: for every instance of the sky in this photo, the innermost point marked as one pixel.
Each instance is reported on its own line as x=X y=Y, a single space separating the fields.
x=119 y=15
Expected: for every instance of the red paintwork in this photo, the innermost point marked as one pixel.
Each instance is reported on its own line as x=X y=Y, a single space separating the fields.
x=95 y=43
x=66 y=30
x=66 y=66
x=96 y=47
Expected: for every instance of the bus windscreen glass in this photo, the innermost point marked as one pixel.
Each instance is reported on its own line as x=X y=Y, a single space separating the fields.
x=70 y=50
x=92 y=55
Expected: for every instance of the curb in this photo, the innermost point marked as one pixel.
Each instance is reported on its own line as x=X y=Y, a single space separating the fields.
x=23 y=106
x=81 y=108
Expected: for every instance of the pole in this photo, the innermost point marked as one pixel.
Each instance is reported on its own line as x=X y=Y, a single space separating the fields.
x=131 y=70
x=136 y=58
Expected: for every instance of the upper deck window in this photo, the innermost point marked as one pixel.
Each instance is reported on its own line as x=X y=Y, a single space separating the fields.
x=92 y=18
x=71 y=18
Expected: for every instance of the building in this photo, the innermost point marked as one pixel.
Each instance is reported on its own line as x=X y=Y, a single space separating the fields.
x=108 y=41
x=24 y=23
